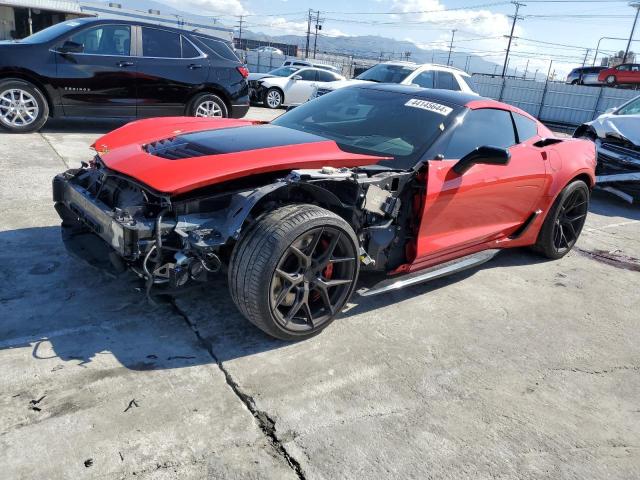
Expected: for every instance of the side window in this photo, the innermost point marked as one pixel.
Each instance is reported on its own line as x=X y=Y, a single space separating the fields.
x=324 y=76
x=447 y=81
x=526 y=127
x=474 y=133
x=160 y=43
x=425 y=79
x=188 y=50
x=220 y=48
x=622 y=68
x=308 y=74
x=635 y=68
x=105 y=40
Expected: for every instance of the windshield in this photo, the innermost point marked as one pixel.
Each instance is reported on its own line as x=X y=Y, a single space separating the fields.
x=384 y=73
x=631 y=108
x=284 y=71
x=52 y=32
x=374 y=122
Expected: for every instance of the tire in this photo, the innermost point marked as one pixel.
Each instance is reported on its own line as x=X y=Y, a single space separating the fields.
x=208 y=105
x=23 y=107
x=293 y=270
x=610 y=80
x=273 y=98
x=575 y=82
x=565 y=220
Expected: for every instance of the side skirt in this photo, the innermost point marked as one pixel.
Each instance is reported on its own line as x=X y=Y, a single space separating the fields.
x=437 y=271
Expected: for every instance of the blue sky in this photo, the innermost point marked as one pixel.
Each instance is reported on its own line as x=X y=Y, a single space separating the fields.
x=480 y=24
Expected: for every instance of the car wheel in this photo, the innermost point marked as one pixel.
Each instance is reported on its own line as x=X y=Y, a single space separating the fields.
x=23 y=107
x=564 y=222
x=208 y=105
x=273 y=98
x=293 y=271
x=610 y=80
x=575 y=82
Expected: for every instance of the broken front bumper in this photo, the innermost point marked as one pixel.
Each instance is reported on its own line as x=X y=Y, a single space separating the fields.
x=93 y=232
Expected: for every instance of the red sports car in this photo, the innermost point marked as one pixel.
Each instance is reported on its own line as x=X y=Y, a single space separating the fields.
x=412 y=182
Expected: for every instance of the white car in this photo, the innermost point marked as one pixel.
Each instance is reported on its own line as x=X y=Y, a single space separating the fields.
x=269 y=50
x=288 y=86
x=310 y=63
x=407 y=73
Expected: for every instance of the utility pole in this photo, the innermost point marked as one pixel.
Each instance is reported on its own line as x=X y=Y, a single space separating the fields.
x=318 y=27
x=586 y=55
x=453 y=34
x=549 y=72
x=635 y=5
x=466 y=64
x=306 y=50
x=535 y=76
x=526 y=69
x=513 y=26
x=240 y=31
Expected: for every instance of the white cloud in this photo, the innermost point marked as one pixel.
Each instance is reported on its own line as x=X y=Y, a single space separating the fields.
x=210 y=7
x=282 y=26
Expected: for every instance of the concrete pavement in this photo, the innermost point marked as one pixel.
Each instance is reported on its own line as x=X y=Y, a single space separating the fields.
x=522 y=369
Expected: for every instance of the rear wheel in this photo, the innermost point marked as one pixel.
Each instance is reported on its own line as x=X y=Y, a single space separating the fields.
x=610 y=80
x=23 y=107
x=208 y=105
x=564 y=222
x=292 y=272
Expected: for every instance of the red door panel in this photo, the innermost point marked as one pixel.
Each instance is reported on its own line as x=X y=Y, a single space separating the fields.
x=486 y=202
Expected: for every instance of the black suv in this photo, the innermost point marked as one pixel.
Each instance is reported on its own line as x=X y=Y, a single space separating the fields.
x=115 y=68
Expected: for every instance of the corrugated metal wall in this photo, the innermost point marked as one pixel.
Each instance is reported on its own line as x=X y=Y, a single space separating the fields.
x=553 y=101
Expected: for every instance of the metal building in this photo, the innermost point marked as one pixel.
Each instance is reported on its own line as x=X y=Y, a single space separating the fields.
x=21 y=18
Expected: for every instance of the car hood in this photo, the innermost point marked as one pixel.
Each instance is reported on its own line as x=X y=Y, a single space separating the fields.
x=342 y=83
x=621 y=127
x=258 y=76
x=179 y=154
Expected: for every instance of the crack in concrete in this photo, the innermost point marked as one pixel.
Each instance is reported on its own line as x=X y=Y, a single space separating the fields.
x=596 y=372
x=46 y=140
x=265 y=422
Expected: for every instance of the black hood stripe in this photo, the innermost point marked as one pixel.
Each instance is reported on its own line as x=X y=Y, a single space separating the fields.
x=229 y=140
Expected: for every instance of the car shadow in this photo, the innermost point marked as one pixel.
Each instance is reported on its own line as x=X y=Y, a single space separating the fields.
x=71 y=314
x=83 y=125
x=609 y=205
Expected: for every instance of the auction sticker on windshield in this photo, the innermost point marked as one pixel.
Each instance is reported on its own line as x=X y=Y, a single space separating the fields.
x=430 y=106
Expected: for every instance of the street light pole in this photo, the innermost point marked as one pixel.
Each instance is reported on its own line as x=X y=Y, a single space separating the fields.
x=635 y=5
x=598 y=46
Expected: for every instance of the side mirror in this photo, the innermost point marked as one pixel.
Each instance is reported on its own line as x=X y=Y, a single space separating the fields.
x=296 y=77
x=71 y=47
x=486 y=155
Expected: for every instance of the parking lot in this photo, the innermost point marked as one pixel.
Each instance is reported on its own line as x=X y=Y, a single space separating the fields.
x=523 y=368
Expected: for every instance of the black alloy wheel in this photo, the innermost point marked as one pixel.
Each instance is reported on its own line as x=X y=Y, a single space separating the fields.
x=313 y=279
x=293 y=270
x=570 y=220
x=564 y=222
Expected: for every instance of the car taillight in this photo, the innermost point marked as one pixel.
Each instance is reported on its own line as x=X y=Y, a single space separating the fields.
x=244 y=71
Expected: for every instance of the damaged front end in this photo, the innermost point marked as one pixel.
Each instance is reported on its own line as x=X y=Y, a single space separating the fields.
x=618 y=169
x=617 y=140
x=116 y=223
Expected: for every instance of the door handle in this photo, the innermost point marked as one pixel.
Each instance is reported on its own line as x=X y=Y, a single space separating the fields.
x=124 y=64
x=193 y=66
